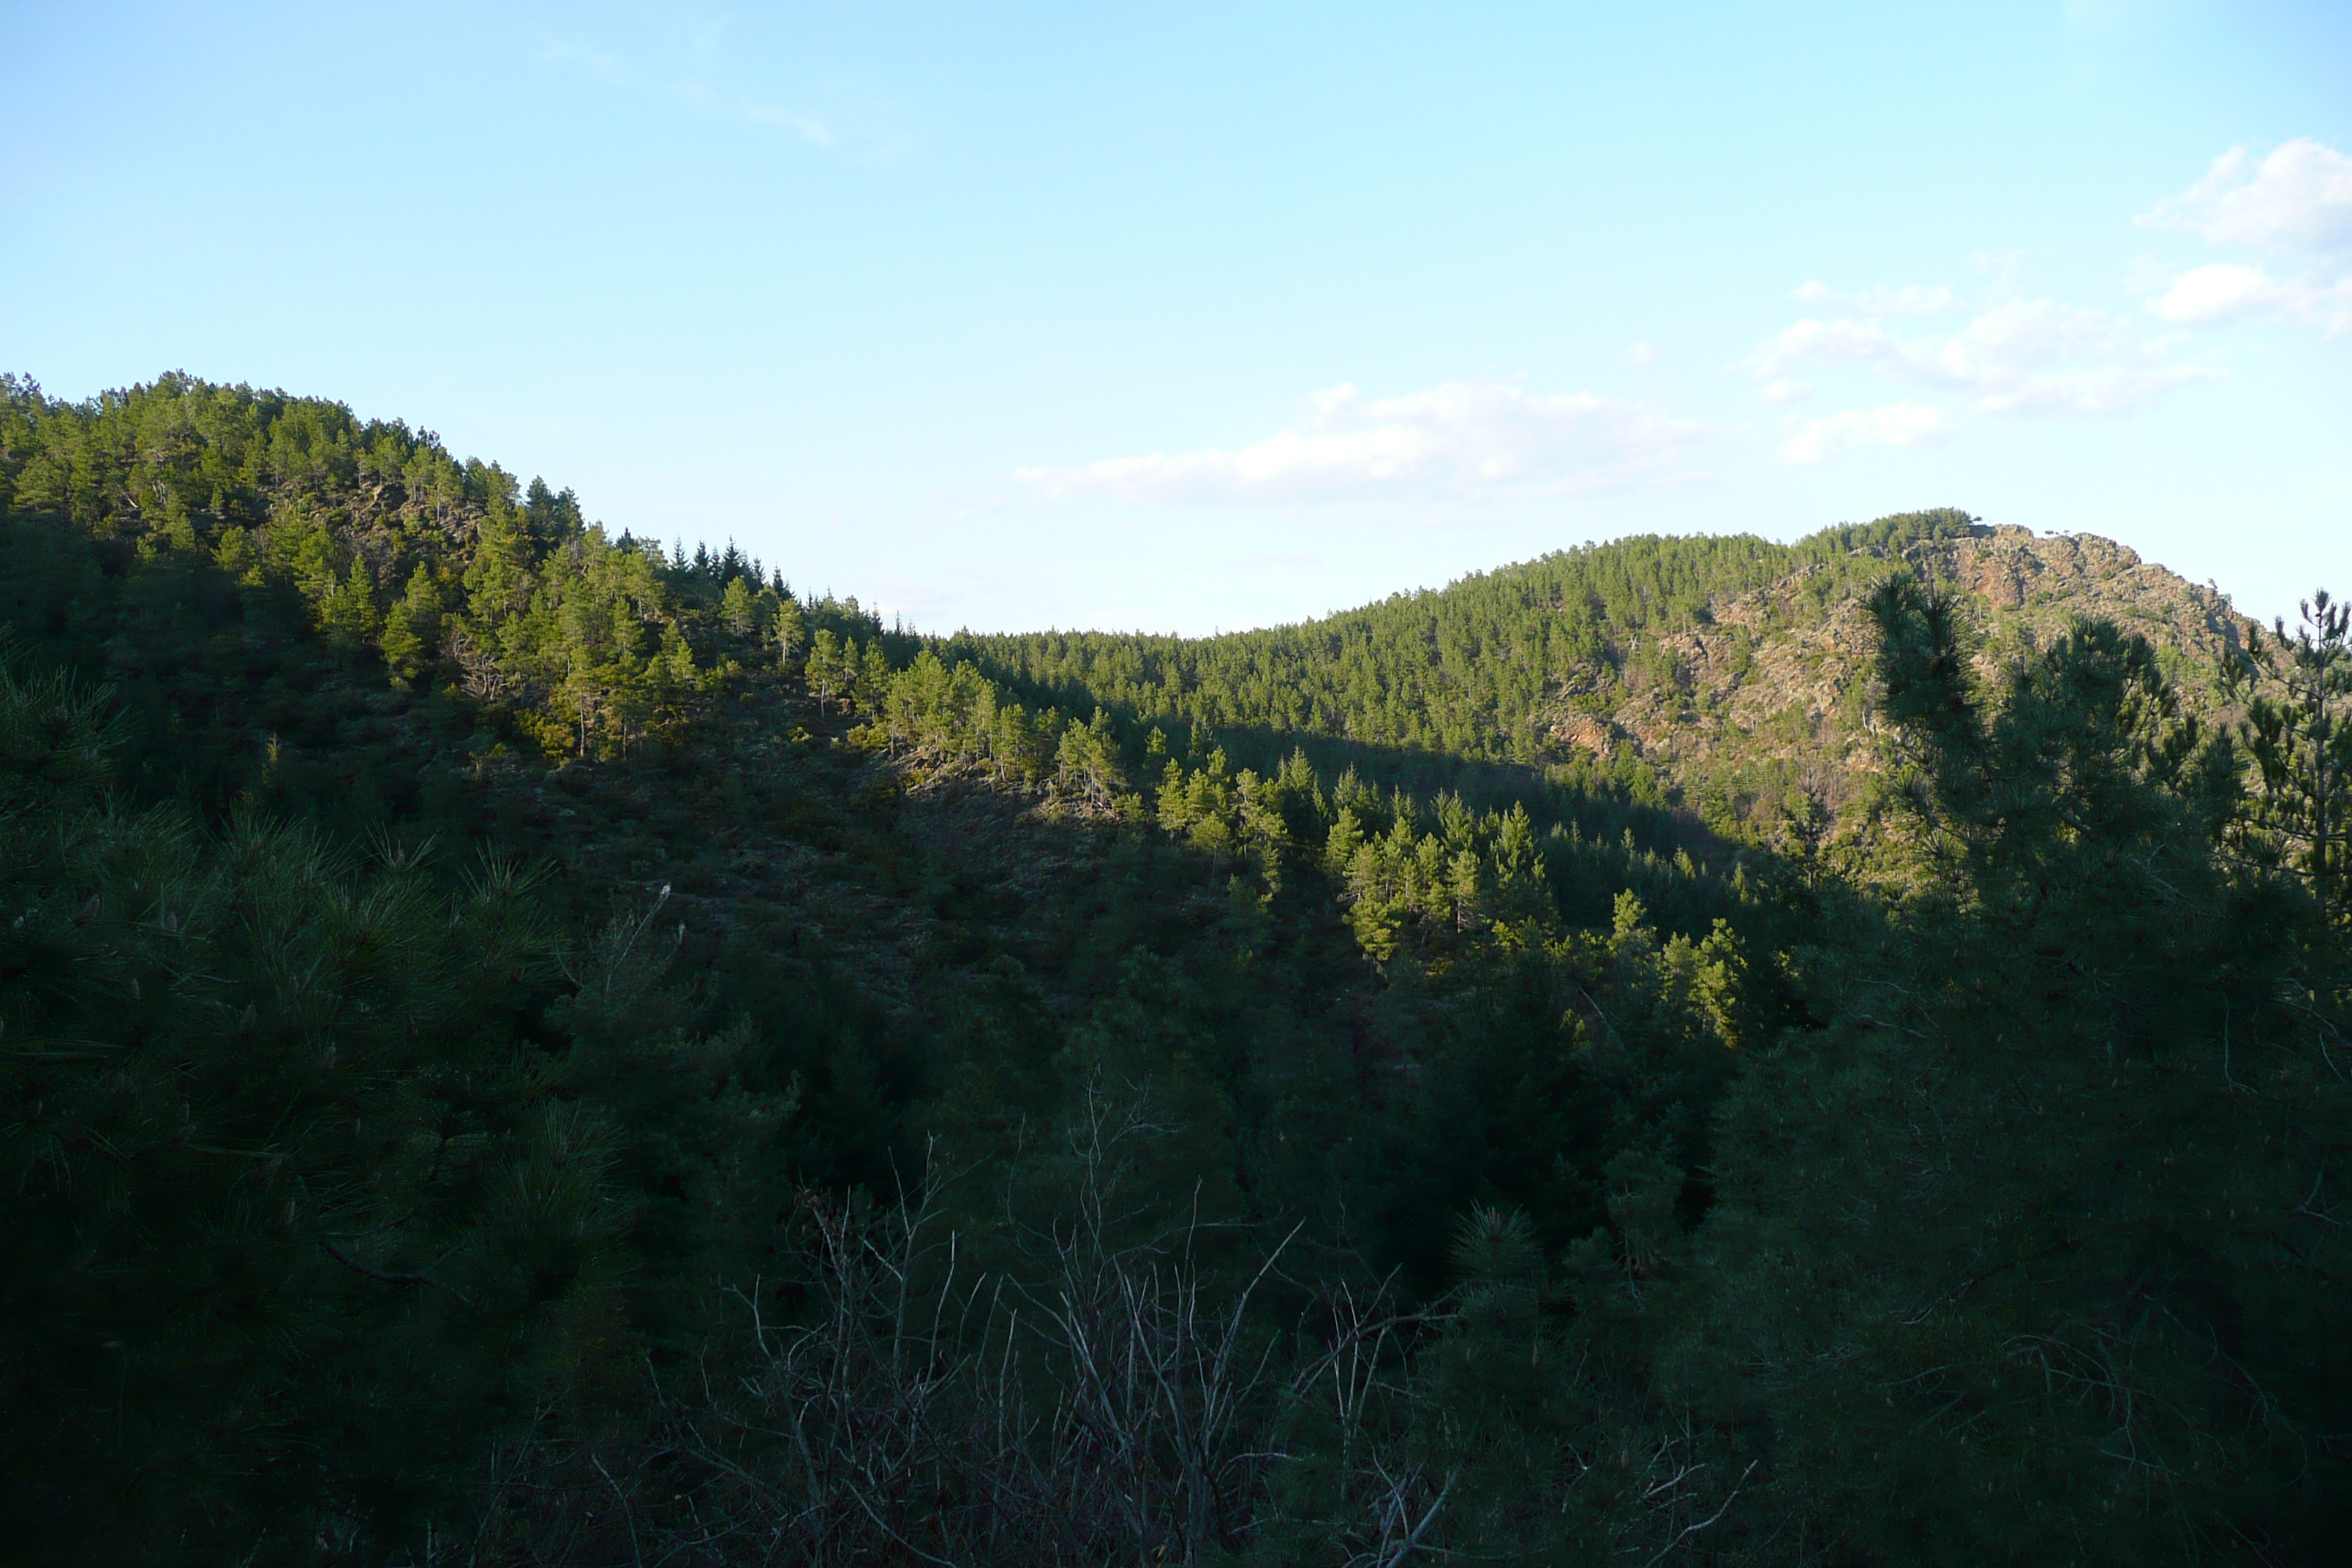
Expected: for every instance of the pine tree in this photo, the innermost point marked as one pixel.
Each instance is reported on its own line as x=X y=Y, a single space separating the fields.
x=283 y=1201
x=788 y=627
x=2017 y=1253
x=737 y=608
x=412 y=628
x=824 y=671
x=347 y=612
x=2298 y=734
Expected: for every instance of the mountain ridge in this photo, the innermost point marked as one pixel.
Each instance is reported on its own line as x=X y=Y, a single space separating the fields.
x=1746 y=653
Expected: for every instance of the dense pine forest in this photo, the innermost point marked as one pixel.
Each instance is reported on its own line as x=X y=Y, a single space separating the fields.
x=527 y=1045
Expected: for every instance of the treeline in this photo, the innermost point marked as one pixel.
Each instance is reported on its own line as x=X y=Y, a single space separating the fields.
x=1462 y=671
x=1395 y=855
x=456 y=573
x=577 y=645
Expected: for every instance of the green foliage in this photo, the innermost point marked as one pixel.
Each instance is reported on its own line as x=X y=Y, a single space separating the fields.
x=2022 y=1257
x=265 y=1122
x=1595 y=1151
x=1465 y=672
x=576 y=643
x=2297 y=738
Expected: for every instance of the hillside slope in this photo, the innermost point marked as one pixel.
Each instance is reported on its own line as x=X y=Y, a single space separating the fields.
x=1592 y=1000
x=1770 y=686
x=1717 y=675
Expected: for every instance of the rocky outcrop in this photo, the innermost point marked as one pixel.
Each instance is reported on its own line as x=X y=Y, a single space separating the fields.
x=1772 y=682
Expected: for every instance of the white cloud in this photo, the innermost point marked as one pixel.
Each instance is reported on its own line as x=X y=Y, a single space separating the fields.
x=1896 y=425
x=1642 y=354
x=2205 y=295
x=2299 y=198
x=2041 y=355
x=1461 y=439
x=2214 y=294
x=1785 y=391
x=2024 y=356
x=1820 y=342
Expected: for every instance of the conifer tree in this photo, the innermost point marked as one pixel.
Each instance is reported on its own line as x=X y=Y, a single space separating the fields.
x=2016 y=1257
x=283 y=1205
x=737 y=608
x=2298 y=735
x=347 y=612
x=824 y=671
x=789 y=627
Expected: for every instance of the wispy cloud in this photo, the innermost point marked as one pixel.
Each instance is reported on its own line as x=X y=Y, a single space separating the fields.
x=695 y=94
x=2026 y=356
x=807 y=126
x=604 y=66
x=706 y=101
x=1896 y=425
x=1459 y=439
x=1999 y=269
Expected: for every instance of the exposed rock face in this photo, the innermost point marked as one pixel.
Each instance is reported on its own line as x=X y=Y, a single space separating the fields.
x=1777 y=685
x=1584 y=733
x=2039 y=585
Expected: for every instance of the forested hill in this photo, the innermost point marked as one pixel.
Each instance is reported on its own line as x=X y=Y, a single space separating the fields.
x=522 y=1045
x=1721 y=673
x=1702 y=693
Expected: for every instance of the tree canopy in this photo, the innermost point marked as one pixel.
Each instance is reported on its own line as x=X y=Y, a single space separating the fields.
x=525 y=1046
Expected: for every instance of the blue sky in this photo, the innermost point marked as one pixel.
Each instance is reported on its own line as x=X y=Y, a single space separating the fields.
x=1208 y=316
